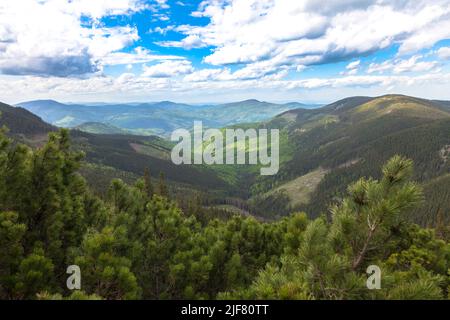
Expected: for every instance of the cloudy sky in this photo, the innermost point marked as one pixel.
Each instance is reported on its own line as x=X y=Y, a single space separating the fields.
x=222 y=50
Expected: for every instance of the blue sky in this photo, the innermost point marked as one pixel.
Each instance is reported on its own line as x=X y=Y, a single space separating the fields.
x=222 y=50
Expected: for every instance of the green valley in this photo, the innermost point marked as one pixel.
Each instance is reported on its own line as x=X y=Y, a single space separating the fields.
x=113 y=203
x=322 y=150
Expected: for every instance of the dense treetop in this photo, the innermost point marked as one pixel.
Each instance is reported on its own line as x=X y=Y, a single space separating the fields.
x=137 y=243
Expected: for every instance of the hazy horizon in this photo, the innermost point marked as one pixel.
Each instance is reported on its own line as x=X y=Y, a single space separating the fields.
x=323 y=103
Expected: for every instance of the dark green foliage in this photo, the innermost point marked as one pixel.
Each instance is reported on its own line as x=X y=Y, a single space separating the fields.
x=436 y=209
x=45 y=195
x=11 y=255
x=272 y=206
x=106 y=269
x=35 y=274
x=368 y=227
x=137 y=243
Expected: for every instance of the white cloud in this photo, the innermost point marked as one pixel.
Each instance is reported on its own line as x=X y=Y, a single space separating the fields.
x=129 y=87
x=162 y=4
x=167 y=69
x=138 y=55
x=352 y=68
x=209 y=75
x=403 y=65
x=353 y=65
x=162 y=80
x=161 y=17
x=190 y=42
x=163 y=30
x=293 y=33
x=48 y=37
x=444 y=53
x=263 y=40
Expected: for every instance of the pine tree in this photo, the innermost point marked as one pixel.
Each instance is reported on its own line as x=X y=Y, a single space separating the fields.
x=105 y=270
x=162 y=187
x=11 y=253
x=331 y=259
x=35 y=274
x=56 y=213
x=148 y=183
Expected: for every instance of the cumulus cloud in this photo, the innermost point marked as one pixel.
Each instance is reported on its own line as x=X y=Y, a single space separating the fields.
x=48 y=37
x=353 y=65
x=352 y=68
x=444 y=53
x=163 y=30
x=396 y=66
x=250 y=45
x=167 y=69
x=161 y=17
x=301 y=33
x=162 y=4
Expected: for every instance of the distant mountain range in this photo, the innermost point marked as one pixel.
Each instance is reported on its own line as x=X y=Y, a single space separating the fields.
x=159 y=118
x=110 y=156
x=322 y=150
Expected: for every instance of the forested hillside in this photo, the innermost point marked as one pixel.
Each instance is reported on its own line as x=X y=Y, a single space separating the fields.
x=114 y=155
x=322 y=151
x=335 y=145
x=136 y=243
x=22 y=122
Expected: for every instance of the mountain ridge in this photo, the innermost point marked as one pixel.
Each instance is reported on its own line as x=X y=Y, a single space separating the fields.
x=156 y=118
x=342 y=141
x=350 y=138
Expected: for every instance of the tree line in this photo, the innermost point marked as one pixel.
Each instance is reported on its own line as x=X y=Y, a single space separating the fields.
x=136 y=243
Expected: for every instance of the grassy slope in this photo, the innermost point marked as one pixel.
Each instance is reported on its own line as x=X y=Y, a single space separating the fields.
x=300 y=189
